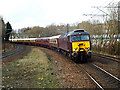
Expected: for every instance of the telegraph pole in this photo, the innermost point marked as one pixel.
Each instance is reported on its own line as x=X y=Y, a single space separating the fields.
x=67 y=28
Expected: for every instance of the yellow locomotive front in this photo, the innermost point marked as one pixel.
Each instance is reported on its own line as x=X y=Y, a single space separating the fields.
x=81 y=46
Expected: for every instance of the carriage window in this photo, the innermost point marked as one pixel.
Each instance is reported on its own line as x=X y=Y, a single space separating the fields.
x=84 y=37
x=75 y=38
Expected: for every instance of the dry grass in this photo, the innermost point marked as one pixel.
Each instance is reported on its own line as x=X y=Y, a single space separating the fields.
x=33 y=71
x=7 y=46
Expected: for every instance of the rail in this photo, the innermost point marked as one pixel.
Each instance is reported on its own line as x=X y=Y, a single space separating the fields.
x=107 y=57
x=8 y=54
x=103 y=77
x=107 y=72
x=90 y=77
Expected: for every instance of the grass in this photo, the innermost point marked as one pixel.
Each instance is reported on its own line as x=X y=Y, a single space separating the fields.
x=33 y=71
x=7 y=47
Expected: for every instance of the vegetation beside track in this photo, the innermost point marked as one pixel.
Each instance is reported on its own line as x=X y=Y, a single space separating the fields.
x=33 y=71
x=105 y=53
x=7 y=46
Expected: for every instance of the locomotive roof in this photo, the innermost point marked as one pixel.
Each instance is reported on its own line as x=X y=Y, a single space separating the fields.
x=77 y=31
x=74 y=32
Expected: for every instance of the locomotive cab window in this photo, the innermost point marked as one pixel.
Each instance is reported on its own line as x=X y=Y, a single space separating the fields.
x=79 y=37
x=84 y=37
x=75 y=38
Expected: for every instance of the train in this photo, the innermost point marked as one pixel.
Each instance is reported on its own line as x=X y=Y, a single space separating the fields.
x=75 y=44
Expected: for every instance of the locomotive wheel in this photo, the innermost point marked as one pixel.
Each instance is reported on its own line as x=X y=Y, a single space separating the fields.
x=66 y=53
x=70 y=56
x=76 y=60
x=81 y=58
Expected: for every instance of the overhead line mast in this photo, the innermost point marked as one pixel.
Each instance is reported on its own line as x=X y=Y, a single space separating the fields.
x=105 y=14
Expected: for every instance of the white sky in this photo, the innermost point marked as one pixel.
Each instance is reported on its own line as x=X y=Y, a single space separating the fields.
x=24 y=13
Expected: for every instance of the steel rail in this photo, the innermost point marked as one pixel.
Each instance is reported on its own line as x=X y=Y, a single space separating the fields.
x=107 y=57
x=96 y=83
x=91 y=77
x=107 y=72
x=5 y=55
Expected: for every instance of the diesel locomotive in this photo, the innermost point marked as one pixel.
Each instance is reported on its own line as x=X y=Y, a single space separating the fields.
x=76 y=44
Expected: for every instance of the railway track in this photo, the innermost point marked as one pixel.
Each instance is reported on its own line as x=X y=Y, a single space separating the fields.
x=107 y=57
x=8 y=54
x=102 y=78
x=91 y=77
x=99 y=76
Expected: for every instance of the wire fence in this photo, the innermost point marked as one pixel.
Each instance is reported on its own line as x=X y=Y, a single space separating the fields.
x=106 y=44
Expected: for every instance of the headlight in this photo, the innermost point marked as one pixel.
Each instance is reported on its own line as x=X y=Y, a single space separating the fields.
x=73 y=49
x=88 y=48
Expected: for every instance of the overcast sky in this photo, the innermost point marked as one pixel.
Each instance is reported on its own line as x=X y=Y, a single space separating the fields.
x=24 y=13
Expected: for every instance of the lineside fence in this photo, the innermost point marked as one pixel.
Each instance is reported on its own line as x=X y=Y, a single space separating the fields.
x=109 y=44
